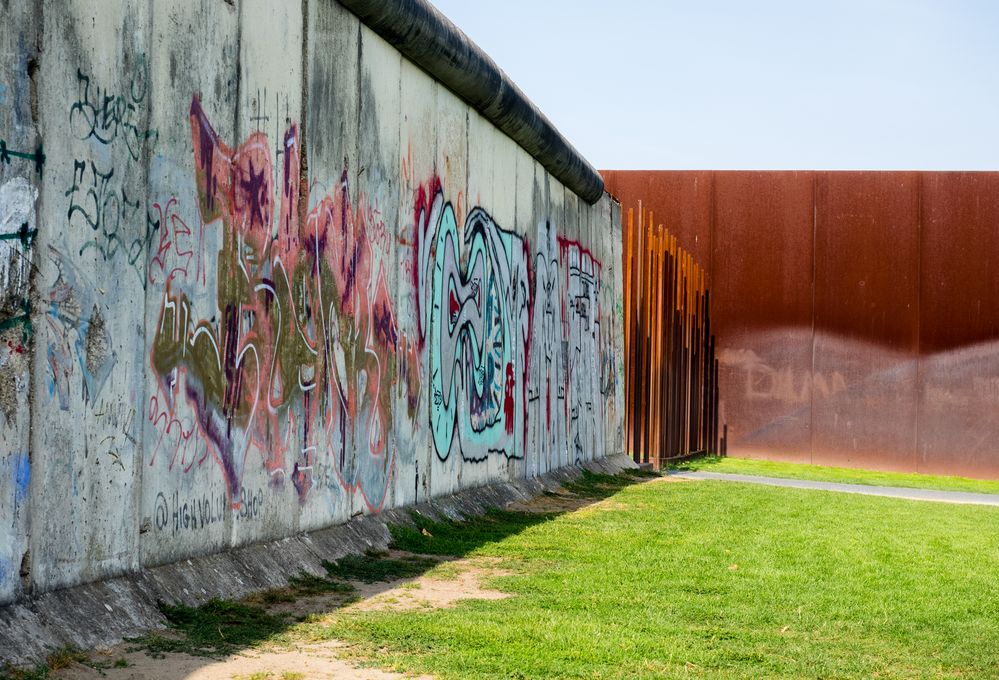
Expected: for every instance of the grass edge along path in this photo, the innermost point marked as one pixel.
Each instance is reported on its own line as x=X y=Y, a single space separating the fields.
x=821 y=473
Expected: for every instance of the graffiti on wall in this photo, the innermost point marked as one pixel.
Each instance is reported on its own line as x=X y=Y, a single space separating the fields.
x=7 y=156
x=15 y=478
x=514 y=345
x=19 y=474
x=546 y=391
x=98 y=200
x=79 y=346
x=17 y=235
x=99 y=204
x=277 y=343
x=297 y=358
x=580 y=274
x=104 y=115
x=762 y=381
x=475 y=322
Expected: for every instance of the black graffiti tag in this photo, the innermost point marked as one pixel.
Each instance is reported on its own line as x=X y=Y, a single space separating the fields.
x=104 y=207
x=106 y=116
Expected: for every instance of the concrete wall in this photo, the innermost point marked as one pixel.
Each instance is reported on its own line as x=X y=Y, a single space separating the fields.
x=261 y=274
x=857 y=313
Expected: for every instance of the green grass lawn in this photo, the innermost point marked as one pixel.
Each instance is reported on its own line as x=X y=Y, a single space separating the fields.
x=819 y=473
x=715 y=579
x=671 y=579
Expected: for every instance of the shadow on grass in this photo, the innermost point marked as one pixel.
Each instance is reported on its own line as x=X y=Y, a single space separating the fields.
x=218 y=628
x=698 y=463
x=458 y=538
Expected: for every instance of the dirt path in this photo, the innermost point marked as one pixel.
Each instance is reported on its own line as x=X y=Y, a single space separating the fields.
x=444 y=586
x=312 y=661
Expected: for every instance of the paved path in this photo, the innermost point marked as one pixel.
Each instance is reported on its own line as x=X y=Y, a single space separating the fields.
x=891 y=491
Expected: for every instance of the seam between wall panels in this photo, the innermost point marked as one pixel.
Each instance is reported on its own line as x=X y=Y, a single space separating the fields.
x=237 y=127
x=25 y=566
x=712 y=222
x=815 y=245
x=353 y=182
x=391 y=483
x=917 y=387
x=303 y=117
x=140 y=454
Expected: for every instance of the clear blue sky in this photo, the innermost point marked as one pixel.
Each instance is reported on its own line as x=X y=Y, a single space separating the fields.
x=723 y=84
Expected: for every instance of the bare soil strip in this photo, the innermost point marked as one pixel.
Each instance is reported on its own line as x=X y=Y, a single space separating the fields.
x=443 y=586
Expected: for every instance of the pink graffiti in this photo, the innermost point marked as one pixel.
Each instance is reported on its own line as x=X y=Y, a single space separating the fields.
x=299 y=361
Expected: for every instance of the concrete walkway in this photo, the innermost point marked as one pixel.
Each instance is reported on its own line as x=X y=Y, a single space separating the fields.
x=890 y=491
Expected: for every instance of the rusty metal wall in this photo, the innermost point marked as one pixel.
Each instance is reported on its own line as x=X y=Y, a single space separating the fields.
x=856 y=313
x=865 y=319
x=671 y=373
x=762 y=313
x=959 y=324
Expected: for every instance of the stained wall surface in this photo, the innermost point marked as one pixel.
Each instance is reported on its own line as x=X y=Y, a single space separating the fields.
x=856 y=313
x=260 y=274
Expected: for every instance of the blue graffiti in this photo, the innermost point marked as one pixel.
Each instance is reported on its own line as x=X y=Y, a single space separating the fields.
x=22 y=477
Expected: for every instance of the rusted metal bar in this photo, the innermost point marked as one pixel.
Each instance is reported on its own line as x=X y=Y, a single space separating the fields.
x=628 y=380
x=671 y=371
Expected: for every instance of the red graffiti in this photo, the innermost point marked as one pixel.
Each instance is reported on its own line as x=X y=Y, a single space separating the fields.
x=508 y=403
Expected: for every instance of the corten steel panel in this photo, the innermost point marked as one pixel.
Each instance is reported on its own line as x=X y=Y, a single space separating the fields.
x=866 y=319
x=762 y=311
x=679 y=200
x=959 y=325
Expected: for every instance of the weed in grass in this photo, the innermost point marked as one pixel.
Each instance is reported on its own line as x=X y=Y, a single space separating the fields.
x=214 y=629
x=371 y=567
x=270 y=597
x=64 y=658
x=100 y=666
x=40 y=672
x=307 y=584
x=303 y=585
x=445 y=571
x=58 y=660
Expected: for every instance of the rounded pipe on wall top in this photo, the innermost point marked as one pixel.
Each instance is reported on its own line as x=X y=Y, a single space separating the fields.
x=429 y=39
